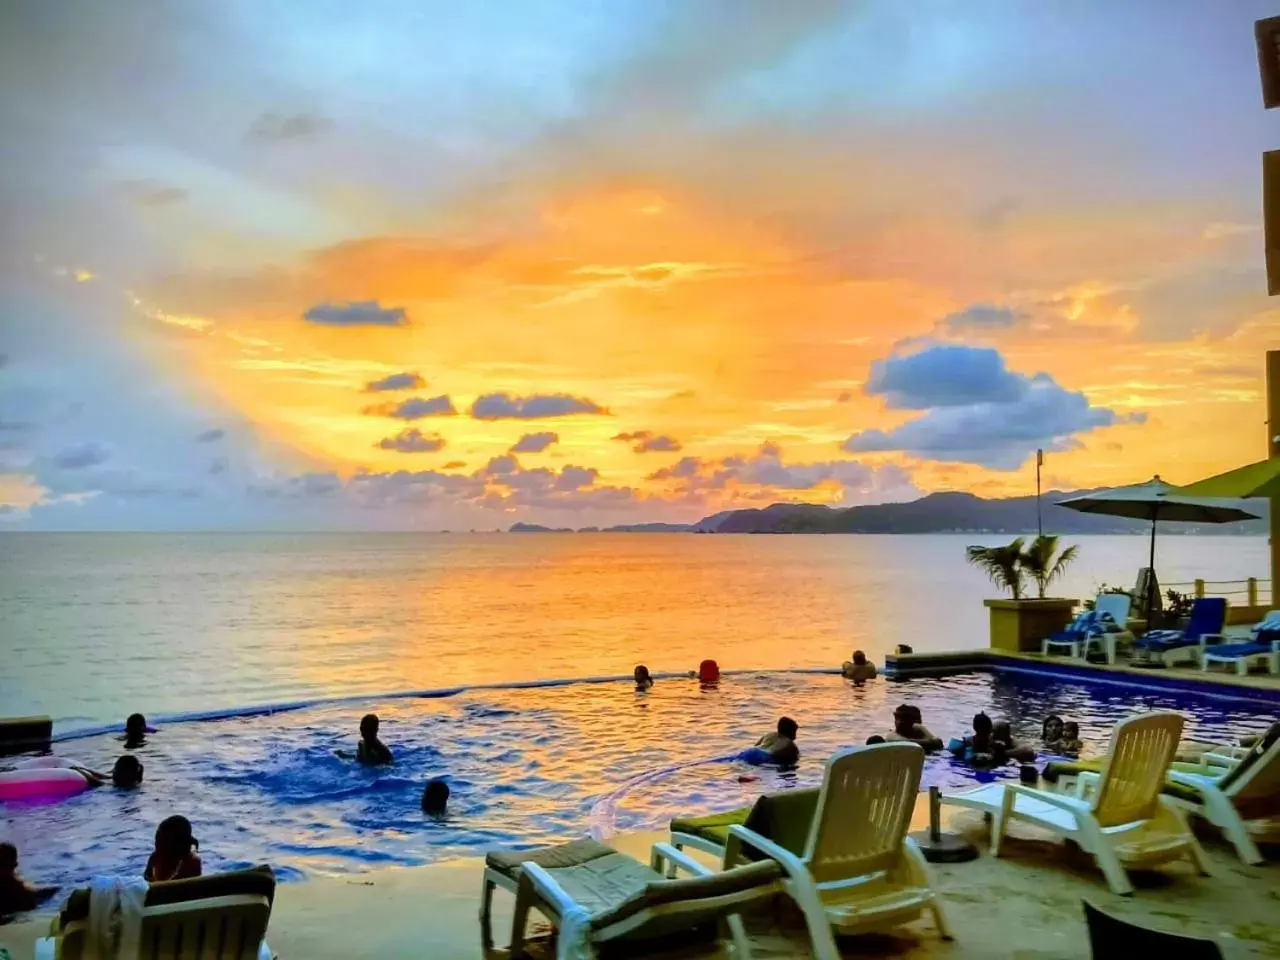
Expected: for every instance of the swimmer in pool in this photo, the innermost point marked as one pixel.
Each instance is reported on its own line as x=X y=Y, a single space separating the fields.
x=908 y=724
x=1070 y=744
x=135 y=731
x=435 y=798
x=859 y=669
x=92 y=777
x=371 y=751
x=874 y=739
x=980 y=749
x=780 y=746
x=174 y=857
x=1002 y=734
x=16 y=895
x=643 y=680
x=127 y=772
x=1051 y=732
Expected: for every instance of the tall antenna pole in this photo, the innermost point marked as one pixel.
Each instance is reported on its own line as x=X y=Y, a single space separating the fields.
x=1039 y=519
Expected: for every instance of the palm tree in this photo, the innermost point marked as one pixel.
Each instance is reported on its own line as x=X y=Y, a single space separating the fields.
x=1038 y=561
x=1002 y=564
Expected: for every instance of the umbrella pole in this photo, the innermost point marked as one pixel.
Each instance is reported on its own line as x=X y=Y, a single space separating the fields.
x=1151 y=565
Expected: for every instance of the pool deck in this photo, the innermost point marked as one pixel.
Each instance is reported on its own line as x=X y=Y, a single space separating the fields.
x=1026 y=905
x=1217 y=680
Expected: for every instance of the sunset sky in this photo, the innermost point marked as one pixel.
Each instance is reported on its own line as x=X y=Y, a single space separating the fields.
x=420 y=265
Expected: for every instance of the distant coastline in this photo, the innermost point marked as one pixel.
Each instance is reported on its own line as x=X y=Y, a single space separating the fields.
x=951 y=512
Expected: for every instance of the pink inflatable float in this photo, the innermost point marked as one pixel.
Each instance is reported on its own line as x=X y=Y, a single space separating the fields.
x=40 y=783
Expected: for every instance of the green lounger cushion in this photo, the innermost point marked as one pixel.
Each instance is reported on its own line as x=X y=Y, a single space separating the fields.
x=1070 y=768
x=783 y=817
x=572 y=854
x=254 y=880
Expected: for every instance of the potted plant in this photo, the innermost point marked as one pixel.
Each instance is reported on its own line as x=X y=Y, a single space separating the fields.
x=1177 y=611
x=1018 y=623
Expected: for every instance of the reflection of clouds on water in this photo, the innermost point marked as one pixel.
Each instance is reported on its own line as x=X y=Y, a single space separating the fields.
x=523 y=767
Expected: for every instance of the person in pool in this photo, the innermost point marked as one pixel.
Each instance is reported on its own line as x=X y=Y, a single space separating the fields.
x=1070 y=744
x=16 y=895
x=980 y=748
x=1002 y=734
x=370 y=750
x=874 y=739
x=859 y=669
x=643 y=680
x=1051 y=731
x=435 y=797
x=135 y=731
x=778 y=747
x=908 y=724
x=127 y=771
x=175 y=856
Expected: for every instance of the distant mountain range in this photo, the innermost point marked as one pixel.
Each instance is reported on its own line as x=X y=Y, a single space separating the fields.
x=936 y=513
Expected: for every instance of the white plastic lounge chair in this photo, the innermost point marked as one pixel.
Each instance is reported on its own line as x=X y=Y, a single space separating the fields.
x=1113 y=615
x=615 y=897
x=1128 y=823
x=222 y=916
x=860 y=872
x=1208 y=615
x=1263 y=648
x=1244 y=801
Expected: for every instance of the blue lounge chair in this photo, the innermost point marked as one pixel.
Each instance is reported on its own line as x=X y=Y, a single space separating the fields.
x=1074 y=635
x=1208 y=615
x=1263 y=648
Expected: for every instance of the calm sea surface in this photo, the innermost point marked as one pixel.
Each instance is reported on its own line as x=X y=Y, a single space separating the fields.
x=94 y=626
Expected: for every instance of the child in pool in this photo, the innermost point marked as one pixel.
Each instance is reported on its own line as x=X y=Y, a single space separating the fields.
x=435 y=797
x=643 y=680
x=1002 y=734
x=16 y=895
x=981 y=749
x=135 y=731
x=175 y=856
x=371 y=751
x=1070 y=744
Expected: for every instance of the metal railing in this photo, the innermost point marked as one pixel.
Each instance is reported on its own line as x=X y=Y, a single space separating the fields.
x=1252 y=592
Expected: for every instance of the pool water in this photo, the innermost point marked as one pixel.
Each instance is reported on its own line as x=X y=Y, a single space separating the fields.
x=524 y=766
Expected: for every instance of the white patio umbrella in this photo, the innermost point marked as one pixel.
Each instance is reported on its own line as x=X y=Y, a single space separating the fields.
x=1156 y=500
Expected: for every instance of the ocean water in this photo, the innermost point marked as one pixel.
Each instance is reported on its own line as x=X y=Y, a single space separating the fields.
x=93 y=627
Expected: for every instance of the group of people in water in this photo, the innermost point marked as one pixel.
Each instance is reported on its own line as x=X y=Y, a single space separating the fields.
x=372 y=752
x=174 y=856
x=176 y=852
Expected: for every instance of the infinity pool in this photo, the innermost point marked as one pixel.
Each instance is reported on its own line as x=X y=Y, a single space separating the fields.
x=525 y=766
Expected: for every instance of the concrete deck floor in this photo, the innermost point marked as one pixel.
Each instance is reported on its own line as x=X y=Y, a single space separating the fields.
x=1025 y=905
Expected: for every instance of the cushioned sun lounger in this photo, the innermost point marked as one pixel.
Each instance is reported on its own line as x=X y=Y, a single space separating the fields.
x=1263 y=649
x=1208 y=615
x=1244 y=802
x=595 y=896
x=783 y=817
x=1127 y=823
x=222 y=915
x=859 y=871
